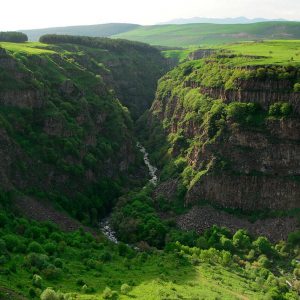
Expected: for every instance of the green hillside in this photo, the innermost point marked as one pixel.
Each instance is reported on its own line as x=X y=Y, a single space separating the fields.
x=60 y=115
x=211 y=34
x=269 y=52
x=79 y=219
x=101 y=30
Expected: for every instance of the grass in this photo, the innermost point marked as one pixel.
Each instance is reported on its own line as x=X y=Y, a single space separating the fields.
x=211 y=34
x=277 y=52
x=28 y=48
x=269 y=52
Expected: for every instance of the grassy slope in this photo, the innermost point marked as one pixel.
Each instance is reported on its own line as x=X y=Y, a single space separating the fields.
x=211 y=34
x=62 y=259
x=269 y=52
x=101 y=30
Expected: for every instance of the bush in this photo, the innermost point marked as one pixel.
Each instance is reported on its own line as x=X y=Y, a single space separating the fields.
x=39 y=261
x=2 y=246
x=80 y=282
x=106 y=256
x=297 y=87
x=294 y=238
x=13 y=243
x=280 y=109
x=51 y=273
x=35 y=247
x=263 y=245
x=58 y=263
x=37 y=281
x=109 y=294
x=125 y=289
x=241 y=240
x=49 y=294
x=241 y=112
x=32 y=293
x=50 y=248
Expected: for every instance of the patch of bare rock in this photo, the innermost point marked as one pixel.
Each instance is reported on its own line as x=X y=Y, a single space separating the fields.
x=202 y=218
x=43 y=212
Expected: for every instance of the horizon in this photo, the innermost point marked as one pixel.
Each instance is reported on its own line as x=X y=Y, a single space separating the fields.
x=91 y=12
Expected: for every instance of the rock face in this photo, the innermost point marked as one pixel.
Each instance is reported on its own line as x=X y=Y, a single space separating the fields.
x=64 y=135
x=202 y=218
x=249 y=167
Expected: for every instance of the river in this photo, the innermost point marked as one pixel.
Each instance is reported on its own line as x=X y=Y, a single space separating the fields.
x=105 y=226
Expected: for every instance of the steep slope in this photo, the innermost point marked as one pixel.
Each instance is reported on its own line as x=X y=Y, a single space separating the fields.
x=231 y=134
x=211 y=34
x=99 y=30
x=64 y=135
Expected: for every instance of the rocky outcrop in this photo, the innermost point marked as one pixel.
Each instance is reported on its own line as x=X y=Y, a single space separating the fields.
x=203 y=218
x=201 y=53
x=254 y=90
x=249 y=167
x=22 y=98
x=248 y=193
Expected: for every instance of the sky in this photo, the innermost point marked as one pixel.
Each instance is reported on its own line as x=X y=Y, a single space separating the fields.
x=30 y=14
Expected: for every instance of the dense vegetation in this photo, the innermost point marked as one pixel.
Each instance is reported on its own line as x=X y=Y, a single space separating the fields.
x=14 y=37
x=217 y=265
x=69 y=140
x=101 y=30
x=61 y=117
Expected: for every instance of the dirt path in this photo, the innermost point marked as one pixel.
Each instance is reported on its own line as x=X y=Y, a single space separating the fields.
x=42 y=212
x=202 y=218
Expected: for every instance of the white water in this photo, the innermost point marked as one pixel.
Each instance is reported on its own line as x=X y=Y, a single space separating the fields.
x=108 y=231
x=152 y=169
x=105 y=223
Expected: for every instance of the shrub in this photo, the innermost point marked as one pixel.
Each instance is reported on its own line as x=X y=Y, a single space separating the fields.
x=280 y=109
x=226 y=243
x=39 y=261
x=297 y=87
x=294 y=238
x=51 y=273
x=123 y=249
x=3 y=219
x=32 y=293
x=50 y=248
x=125 y=289
x=49 y=294
x=263 y=245
x=37 y=281
x=241 y=240
x=12 y=242
x=35 y=247
x=2 y=246
x=109 y=294
x=106 y=256
x=58 y=263
x=241 y=112
x=80 y=282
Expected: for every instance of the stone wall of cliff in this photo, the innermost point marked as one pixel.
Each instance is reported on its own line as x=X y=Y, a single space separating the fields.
x=249 y=162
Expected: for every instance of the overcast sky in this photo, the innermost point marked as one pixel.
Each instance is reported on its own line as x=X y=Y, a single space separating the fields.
x=26 y=14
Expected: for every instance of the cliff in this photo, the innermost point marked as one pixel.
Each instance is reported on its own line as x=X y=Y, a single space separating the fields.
x=64 y=134
x=230 y=134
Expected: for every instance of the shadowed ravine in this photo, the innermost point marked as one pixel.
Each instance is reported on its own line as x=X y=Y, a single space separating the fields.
x=105 y=225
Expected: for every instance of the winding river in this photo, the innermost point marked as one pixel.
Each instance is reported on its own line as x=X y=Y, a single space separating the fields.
x=105 y=223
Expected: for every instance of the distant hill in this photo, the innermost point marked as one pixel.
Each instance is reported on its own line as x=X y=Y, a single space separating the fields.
x=212 y=34
x=237 y=20
x=100 y=30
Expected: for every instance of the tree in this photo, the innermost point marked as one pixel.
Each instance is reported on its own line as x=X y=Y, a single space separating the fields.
x=12 y=36
x=241 y=240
